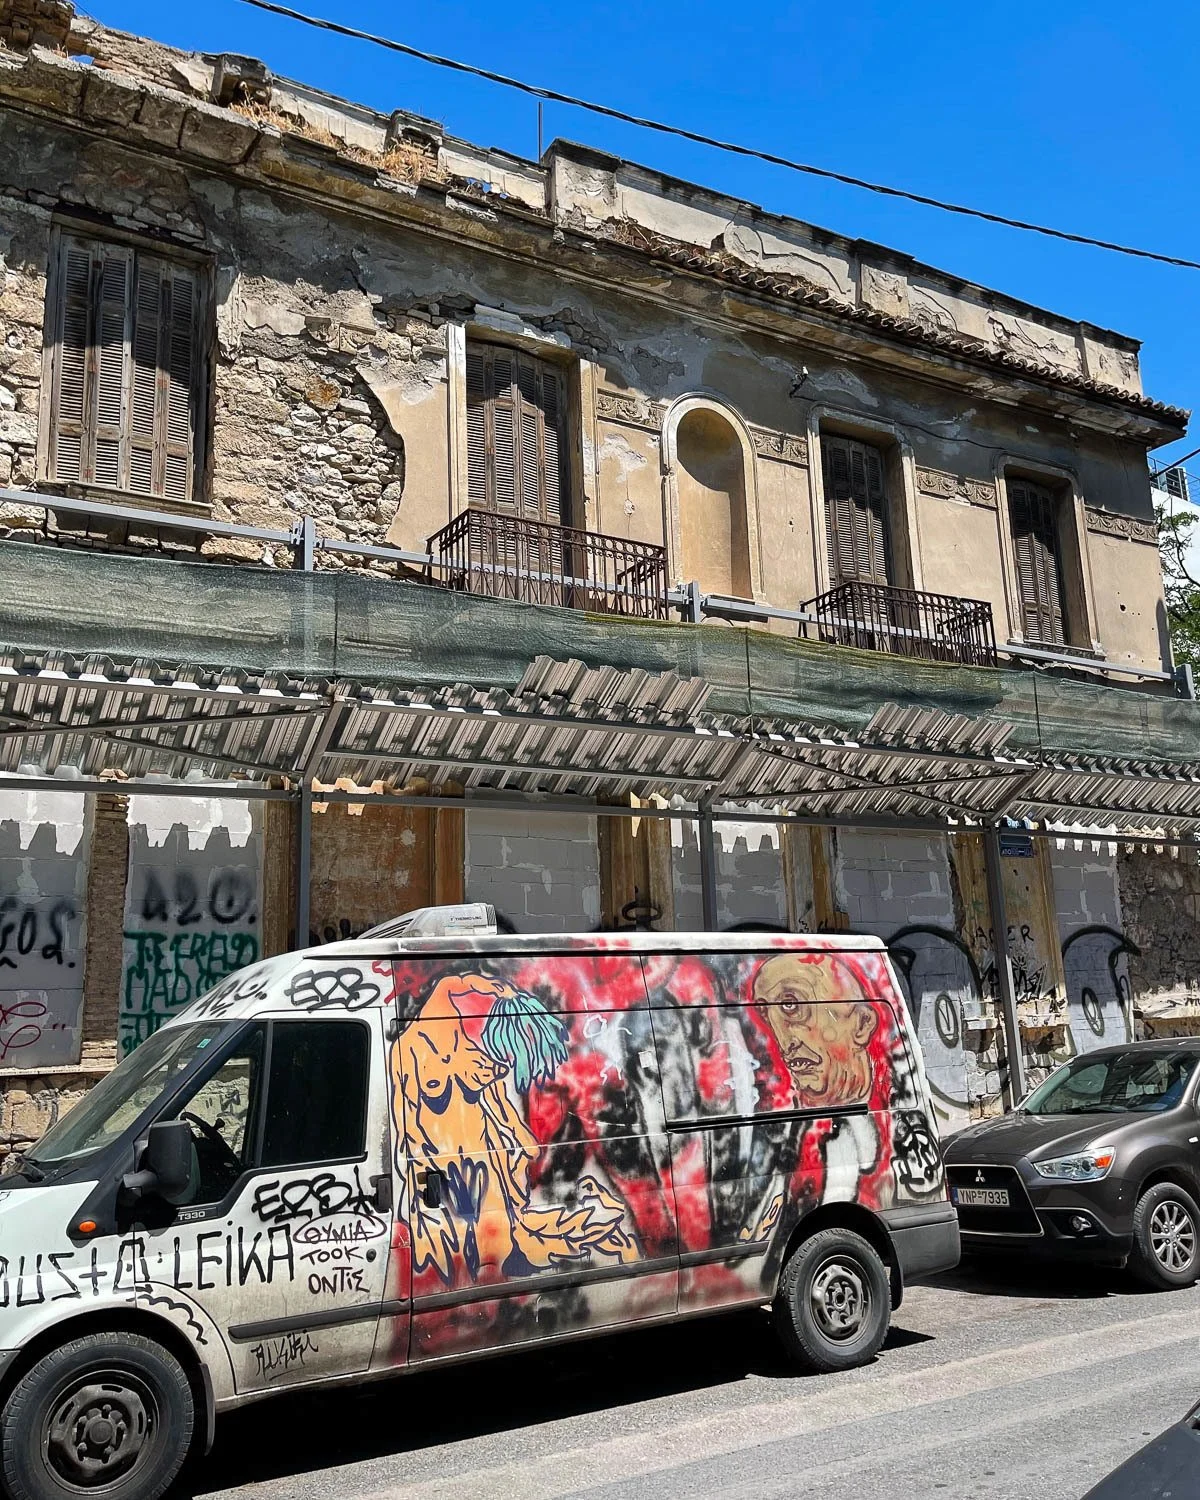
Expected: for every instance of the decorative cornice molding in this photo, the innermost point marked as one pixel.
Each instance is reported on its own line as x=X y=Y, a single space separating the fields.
x=1126 y=527
x=632 y=410
x=786 y=447
x=955 y=487
x=638 y=411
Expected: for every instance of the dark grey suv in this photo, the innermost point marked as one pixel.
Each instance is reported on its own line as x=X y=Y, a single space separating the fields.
x=1101 y=1162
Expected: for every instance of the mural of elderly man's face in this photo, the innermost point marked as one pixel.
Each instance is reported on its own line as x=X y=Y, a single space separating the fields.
x=823 y=1039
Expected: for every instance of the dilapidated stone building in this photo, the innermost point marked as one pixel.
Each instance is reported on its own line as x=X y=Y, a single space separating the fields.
x=388 y=520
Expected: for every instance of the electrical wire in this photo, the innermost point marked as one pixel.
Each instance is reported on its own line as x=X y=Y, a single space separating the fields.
x=609 y=112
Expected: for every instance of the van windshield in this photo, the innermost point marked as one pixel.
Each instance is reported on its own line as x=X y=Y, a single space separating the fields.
x=127 y=1092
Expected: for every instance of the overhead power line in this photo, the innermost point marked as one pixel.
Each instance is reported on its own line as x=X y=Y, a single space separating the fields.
x=537 y=92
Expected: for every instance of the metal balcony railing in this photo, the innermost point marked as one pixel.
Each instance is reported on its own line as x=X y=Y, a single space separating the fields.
x=906 y=622
x=506 y=557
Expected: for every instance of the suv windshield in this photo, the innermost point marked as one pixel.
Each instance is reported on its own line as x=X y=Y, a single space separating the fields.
x=130 y=1089
x=1114 y=1083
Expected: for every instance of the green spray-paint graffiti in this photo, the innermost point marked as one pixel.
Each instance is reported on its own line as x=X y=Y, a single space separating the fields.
x=164 y=971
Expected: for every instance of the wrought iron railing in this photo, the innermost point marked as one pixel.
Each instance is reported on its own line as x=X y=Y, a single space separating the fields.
x=906 y=622
x=506 y=557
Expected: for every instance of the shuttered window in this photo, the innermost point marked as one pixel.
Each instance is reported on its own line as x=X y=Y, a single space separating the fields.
x=1033 y=517
x=855 y=511
x=516 y=435
x=127 y=371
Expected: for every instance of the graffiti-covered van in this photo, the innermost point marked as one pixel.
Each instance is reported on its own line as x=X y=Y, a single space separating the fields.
x=436 y=1141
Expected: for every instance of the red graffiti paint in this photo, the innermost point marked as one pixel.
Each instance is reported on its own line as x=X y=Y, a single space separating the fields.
x=588 y=1112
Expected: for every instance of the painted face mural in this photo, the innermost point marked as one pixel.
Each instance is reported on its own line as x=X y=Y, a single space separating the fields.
x=565 y=1115
x=823 y=1044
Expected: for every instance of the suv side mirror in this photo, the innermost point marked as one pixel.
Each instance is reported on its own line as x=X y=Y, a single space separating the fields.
x=168 y=1163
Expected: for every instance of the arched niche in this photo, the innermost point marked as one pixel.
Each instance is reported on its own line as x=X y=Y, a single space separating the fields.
x=711 y=498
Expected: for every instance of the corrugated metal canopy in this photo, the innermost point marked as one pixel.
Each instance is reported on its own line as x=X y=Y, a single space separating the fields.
x=565 y=730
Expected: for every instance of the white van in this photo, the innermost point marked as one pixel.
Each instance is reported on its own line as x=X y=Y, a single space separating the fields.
x=382 y=1154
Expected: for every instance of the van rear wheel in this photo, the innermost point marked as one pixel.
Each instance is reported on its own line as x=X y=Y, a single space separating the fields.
x=107 y=1415
x=834 y=1302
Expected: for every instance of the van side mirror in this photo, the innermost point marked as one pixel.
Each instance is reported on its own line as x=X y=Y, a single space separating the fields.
x=168 y=1164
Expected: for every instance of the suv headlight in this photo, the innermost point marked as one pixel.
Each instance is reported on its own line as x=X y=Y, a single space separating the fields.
x=1085 y=1166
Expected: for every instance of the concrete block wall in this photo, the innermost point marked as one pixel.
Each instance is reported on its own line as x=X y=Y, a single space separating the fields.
x=192 y=905
x=751 y=885
x=900 y=887
x=541 y=871
x=43 y=888
x=1095 y=949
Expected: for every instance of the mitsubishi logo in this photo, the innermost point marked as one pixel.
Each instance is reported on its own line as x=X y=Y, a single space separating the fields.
x=978 y=1174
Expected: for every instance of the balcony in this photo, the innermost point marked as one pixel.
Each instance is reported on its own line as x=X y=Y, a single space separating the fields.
x=534 y=562
x=906 y=622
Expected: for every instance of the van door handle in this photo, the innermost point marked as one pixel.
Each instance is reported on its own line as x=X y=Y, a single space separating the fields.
x=431 y=1182
x=382 y=1185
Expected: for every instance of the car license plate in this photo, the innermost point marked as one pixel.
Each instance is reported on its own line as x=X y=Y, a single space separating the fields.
x=981 y=1197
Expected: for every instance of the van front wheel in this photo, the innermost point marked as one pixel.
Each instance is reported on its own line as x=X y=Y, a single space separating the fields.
x=834 y=1302
x=107 y=1415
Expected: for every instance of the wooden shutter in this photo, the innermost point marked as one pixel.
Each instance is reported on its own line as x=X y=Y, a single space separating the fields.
x=145 y=470
x=478 y=446
x=1033 y=517
x=516 y=441
x=855 y=511
x=127 y=371
x=178 y=383
x=73 y=341
x=110 y=366
x=502 y=415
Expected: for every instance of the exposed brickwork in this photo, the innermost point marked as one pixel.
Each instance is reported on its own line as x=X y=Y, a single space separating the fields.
x=107 y=874
x=28 y=23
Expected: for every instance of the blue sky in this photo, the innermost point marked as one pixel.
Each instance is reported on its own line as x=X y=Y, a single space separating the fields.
x=1081 y=115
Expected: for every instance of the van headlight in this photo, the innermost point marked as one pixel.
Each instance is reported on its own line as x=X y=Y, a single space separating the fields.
x=1084 y=1166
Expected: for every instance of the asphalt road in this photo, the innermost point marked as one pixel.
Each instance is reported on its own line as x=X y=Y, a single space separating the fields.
x=1003 y=1384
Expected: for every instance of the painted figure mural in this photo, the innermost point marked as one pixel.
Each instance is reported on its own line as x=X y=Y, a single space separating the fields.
x=460 y=1073
x=610 y=1110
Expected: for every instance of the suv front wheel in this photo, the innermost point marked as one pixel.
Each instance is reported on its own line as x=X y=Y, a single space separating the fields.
x=1166 y=1238
x=108 y=1415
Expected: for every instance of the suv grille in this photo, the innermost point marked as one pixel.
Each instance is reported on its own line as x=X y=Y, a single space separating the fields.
x=1017 y=1218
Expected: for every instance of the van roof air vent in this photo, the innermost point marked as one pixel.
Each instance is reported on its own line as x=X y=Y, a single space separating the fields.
x=471 y=919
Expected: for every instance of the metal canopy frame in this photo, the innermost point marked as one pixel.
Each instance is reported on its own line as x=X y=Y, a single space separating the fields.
x=566 y=731
x=567 y=738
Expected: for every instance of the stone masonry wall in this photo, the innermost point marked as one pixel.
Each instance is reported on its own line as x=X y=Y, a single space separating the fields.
x=316 y=382
x=1160 y=901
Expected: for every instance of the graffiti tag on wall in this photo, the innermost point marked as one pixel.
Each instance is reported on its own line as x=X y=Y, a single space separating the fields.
x=191 y=918
x=43 y=883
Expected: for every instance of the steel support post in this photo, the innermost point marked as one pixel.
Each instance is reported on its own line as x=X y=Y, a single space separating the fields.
x=1004 y=972
x=708 y=867
x=304 y=817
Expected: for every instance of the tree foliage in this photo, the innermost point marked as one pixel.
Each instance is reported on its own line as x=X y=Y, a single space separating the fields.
x=1181 y=588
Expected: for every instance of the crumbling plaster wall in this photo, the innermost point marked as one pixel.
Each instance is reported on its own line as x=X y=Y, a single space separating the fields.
x=1160 y=903
x=332 y=393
